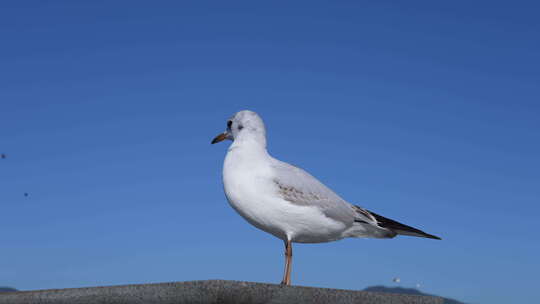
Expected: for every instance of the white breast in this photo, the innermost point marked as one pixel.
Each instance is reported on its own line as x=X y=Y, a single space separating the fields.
x=249 y=187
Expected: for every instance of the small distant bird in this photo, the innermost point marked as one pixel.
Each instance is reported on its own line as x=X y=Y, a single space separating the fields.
x=396 y=280
x=288 y=202
x=25 y=194
x=3 y=156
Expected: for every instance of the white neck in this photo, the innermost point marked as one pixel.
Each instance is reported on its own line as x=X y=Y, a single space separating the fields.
x=250 y=140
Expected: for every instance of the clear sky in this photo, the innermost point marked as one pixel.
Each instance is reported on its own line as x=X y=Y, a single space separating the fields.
x=424 y=112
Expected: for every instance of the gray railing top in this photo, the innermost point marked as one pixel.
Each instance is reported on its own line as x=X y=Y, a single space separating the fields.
x=212 y=291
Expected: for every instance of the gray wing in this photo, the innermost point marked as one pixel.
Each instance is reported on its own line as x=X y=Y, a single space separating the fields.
x=299 y=187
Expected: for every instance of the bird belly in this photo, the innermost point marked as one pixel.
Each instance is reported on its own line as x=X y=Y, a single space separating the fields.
x=252 y=194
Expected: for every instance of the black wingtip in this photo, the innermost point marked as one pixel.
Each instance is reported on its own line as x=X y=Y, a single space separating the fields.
x=430 y=236
x=400 y=228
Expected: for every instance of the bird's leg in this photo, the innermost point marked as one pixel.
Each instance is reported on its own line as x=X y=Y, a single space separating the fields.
x=289 y=257
x=288 y=263
x=284 y=281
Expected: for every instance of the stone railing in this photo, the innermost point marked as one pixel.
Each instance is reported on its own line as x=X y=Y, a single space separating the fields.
x=212 y=291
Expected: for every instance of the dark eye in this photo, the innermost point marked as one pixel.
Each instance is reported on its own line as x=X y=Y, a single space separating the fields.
x=229 y=124
x=240 y=127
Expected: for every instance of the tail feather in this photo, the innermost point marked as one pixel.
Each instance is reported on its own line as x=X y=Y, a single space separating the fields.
x=400 y=228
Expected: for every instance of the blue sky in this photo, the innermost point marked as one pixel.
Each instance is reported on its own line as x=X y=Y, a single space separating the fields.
x=424 y=112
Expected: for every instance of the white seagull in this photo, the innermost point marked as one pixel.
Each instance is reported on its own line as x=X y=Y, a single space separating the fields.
x=288 y=202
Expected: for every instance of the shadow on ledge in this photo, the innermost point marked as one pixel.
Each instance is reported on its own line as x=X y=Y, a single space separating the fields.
x=212 y=291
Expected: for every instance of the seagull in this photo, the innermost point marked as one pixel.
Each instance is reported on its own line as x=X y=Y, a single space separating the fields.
x=286 y=201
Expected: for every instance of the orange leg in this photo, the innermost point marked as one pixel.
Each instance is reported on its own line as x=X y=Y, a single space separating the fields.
x=288 y=264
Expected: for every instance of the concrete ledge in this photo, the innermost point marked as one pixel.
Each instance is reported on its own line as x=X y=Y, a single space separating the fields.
x=204 y=292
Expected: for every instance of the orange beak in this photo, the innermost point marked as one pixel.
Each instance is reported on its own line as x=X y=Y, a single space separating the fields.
x=220 y=137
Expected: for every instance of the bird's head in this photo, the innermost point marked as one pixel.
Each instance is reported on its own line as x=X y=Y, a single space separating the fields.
x=243 y=125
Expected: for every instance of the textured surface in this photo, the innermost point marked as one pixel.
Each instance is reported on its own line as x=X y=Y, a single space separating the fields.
x=215 y=291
